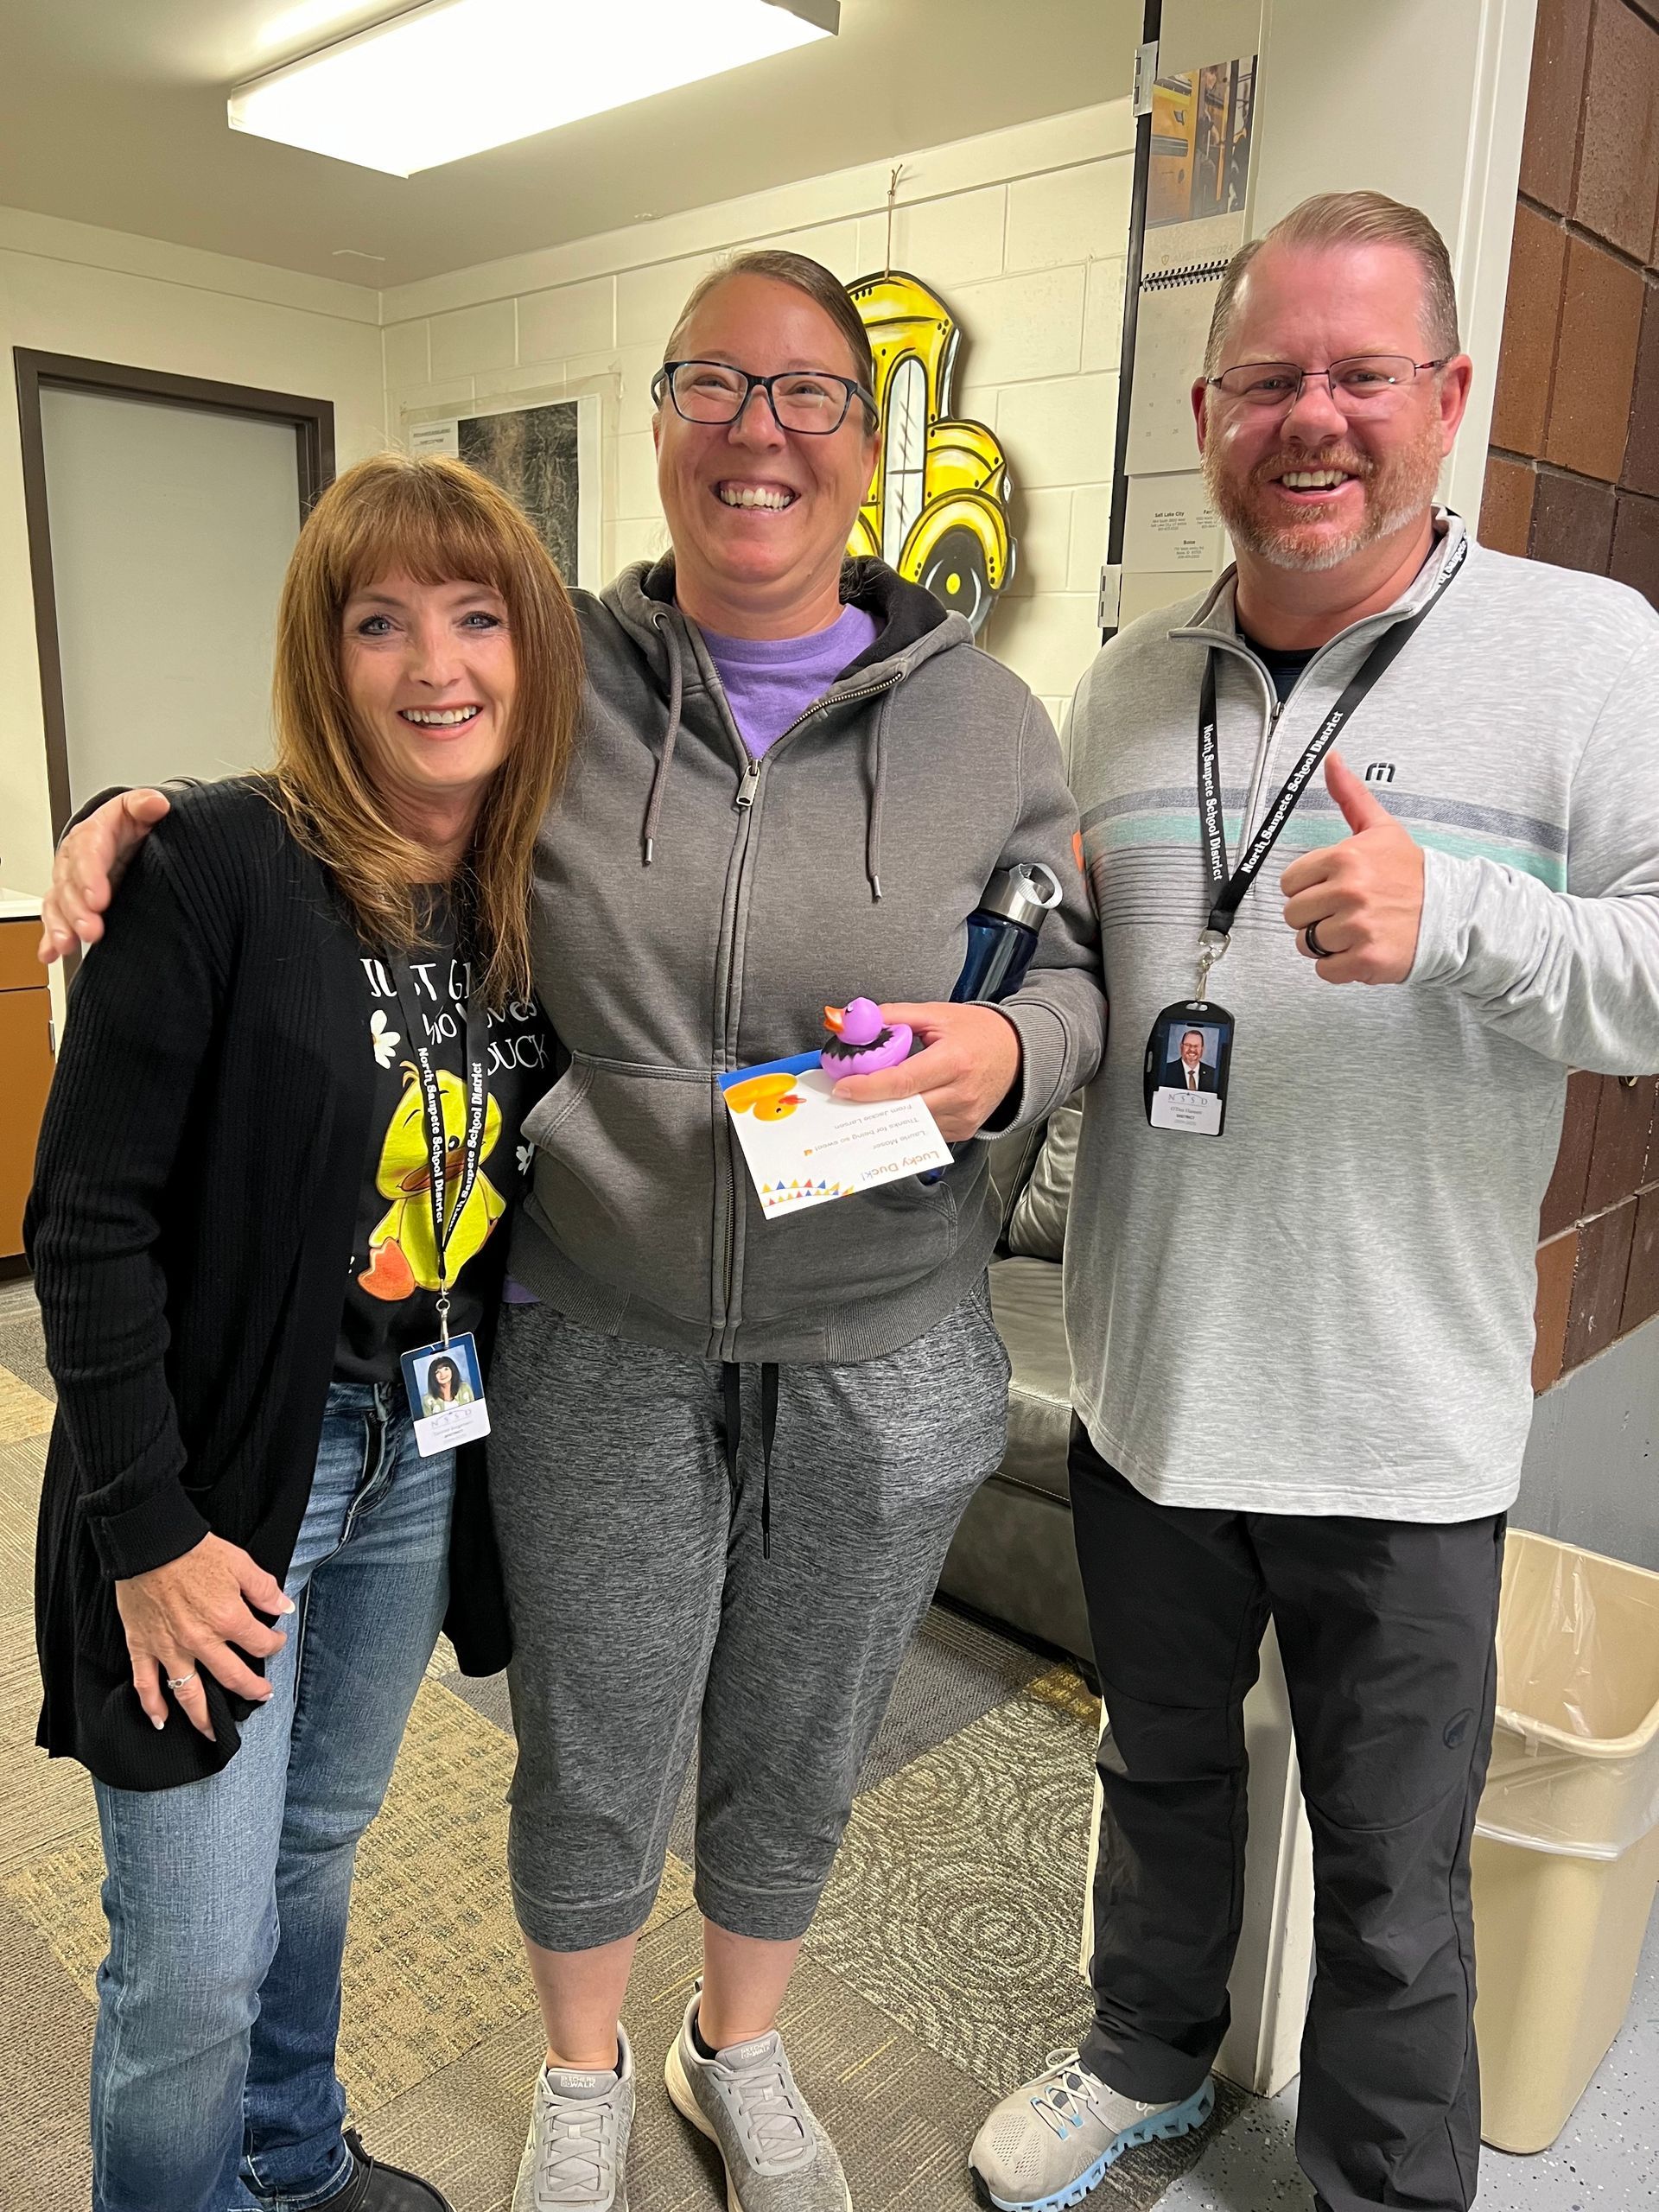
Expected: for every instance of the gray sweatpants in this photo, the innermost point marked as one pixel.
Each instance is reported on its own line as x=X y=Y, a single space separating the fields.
x=645 y=1606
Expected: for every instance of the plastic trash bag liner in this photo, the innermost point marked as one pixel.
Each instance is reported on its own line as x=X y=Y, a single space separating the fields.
x=1576 y=1752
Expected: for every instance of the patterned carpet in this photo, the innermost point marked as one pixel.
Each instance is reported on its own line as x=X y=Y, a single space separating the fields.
x=939 y=1971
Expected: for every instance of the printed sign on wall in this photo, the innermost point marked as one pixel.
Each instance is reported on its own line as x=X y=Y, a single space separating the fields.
x=545 y=456
x=937 y=509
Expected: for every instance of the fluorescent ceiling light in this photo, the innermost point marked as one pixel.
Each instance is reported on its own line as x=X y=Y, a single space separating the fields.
x=447 y=79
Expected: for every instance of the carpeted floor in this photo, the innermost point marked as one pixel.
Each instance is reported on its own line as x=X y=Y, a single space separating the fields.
x=939 y=1971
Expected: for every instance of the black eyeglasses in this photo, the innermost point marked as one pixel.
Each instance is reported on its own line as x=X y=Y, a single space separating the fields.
x=808 y=402
x=1364 y=382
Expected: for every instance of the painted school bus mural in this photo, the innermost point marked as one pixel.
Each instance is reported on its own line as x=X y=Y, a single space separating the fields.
x=937 y=506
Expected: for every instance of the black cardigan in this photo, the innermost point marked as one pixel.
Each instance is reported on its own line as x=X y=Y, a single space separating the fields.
x=190 y=1229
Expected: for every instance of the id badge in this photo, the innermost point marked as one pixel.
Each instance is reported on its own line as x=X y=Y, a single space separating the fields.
x=1188 y=1056
x=446 y=1395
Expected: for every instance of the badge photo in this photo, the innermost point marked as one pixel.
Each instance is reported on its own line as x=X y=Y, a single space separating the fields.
x=1188 y=1055
x=446 y=1395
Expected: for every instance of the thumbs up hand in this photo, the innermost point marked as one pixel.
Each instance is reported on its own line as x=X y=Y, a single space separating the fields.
x=1364 y=897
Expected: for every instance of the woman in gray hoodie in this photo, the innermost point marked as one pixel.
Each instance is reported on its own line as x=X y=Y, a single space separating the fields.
x=729 y=1453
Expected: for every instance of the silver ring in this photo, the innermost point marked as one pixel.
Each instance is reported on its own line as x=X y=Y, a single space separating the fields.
x=1320 y=951
x=176 y=1682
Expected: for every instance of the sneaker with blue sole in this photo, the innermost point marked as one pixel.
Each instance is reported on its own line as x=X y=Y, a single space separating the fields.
x=1051 y=2142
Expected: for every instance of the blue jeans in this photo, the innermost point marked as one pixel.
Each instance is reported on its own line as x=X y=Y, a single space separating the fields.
x=213 y=2080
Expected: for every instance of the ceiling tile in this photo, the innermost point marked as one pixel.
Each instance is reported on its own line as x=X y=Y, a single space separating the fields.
x=114 y=115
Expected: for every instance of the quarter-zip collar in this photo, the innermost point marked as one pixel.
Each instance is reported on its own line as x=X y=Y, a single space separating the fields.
x=1215 y=623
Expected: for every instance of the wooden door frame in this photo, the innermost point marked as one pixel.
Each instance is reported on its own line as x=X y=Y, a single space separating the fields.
x=311 y=420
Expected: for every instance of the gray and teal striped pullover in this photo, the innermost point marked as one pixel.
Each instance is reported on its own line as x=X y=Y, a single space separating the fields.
x=1330 y=1308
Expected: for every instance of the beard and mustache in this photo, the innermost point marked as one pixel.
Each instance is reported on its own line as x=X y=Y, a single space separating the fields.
x=1397 y=490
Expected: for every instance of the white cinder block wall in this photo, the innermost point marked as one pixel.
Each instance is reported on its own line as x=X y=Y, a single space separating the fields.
x=1022 y=231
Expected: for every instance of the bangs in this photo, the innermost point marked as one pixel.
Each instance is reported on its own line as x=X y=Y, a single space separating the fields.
x=427 y=527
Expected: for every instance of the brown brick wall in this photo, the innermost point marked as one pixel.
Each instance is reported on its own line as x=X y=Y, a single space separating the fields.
x=1572 y=477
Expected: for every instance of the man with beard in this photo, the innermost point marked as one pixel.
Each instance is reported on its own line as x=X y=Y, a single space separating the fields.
x=1327 y=1430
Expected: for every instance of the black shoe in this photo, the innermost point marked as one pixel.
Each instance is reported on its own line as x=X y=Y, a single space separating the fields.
x=375 y=2188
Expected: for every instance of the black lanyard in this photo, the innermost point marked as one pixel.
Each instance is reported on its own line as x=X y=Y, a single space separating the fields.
x=437 y=1146
x=1226 y=892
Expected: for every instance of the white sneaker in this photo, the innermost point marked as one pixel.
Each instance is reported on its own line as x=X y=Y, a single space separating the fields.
x=577 y=2152
x=746 y=2100
x=1047 y=2145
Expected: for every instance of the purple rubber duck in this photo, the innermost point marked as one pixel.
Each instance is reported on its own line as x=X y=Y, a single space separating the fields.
x=862 y=1042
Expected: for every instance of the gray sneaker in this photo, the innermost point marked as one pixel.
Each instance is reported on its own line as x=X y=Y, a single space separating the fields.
x=1047 y=2145
x=577 y=2153
x=778 y=2158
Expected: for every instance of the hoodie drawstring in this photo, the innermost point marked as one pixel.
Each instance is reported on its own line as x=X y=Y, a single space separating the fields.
x=731 y=1379
x=659 y=781
x=878 y=795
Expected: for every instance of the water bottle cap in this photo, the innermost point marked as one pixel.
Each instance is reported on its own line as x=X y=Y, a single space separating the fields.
x=1025 y=893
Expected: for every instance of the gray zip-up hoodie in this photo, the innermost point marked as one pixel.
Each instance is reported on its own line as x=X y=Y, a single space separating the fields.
x=696 y=910
x=1328 y=1308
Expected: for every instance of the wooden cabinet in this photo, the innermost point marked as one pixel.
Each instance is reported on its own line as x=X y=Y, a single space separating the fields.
x=25 y=1073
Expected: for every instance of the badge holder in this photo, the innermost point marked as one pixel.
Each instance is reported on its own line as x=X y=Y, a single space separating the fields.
x=1189 y=1056
x=446 y=1394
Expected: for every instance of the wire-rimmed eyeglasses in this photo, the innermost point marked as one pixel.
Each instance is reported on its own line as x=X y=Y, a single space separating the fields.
x=1360 y=381
x=808 y=402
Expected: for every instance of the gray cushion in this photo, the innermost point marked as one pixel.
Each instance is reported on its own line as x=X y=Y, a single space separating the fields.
x=1037 y=1225
x=1026 y=1300
x=1013 y=1558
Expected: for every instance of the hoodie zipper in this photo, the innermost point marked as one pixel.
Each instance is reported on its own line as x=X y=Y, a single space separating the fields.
x=817 y=712
x=743 y=804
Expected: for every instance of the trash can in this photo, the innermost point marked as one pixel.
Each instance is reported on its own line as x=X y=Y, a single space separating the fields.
x=1566 y=1855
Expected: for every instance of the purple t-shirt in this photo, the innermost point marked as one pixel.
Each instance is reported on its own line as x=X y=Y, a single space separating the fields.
x=771 y=682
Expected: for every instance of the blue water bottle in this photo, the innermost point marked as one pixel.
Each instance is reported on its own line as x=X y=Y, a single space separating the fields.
x=1002 y=931
x=1001 y=938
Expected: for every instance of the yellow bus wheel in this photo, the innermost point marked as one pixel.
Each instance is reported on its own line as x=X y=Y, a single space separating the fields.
x=955 y=573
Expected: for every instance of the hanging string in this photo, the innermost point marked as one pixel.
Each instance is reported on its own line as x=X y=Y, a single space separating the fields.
x=893 y=193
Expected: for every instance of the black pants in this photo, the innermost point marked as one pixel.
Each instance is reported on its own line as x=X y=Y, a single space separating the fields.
x=1387 y=1632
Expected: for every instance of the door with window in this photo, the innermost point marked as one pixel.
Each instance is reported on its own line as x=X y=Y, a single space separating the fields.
x=162 y=512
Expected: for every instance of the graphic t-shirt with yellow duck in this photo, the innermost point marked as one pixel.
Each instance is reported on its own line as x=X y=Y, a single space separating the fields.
x=391 y=1285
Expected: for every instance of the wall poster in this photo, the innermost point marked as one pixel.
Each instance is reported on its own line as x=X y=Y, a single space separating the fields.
x=1201 y=143
x=547 y=458
x=1196 y=184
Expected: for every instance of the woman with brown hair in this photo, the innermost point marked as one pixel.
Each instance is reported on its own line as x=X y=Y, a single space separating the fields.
x=282 y=1136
